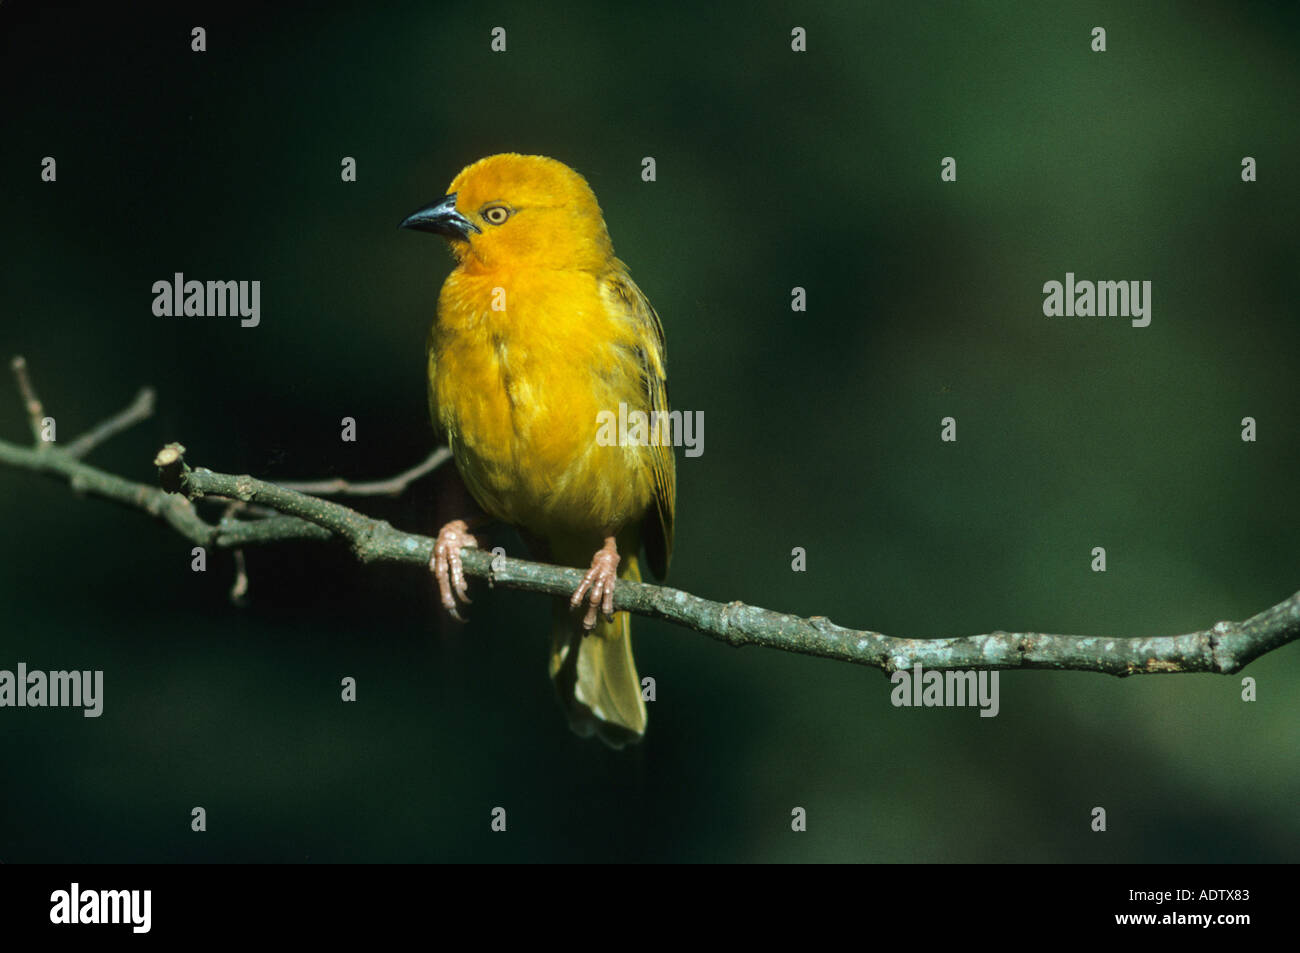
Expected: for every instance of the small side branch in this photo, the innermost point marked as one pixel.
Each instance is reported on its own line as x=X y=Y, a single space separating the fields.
x=141 y=408
x=394 y=486
x=31 y=403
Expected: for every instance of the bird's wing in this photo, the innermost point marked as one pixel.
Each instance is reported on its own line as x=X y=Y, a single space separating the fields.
x=657 y=530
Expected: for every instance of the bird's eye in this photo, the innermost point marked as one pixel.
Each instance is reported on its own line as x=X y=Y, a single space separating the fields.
x=496 y=214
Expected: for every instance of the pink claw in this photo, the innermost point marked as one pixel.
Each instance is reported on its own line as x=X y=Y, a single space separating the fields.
x=446 y=565
x=597 y=586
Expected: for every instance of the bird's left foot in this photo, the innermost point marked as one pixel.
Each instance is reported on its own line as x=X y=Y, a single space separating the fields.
x=597 y=587
x=446 y=565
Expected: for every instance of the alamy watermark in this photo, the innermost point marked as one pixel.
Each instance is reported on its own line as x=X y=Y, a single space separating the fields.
x=199 y=299
x=74 y=905
x=952 y=689
x=36 y=689
x=1085 y=299
x=658 y=428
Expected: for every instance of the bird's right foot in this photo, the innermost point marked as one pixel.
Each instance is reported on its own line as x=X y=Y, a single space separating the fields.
x=597 y=586
x=446 y=565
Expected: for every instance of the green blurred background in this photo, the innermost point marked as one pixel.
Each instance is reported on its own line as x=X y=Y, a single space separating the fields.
x=775 y=169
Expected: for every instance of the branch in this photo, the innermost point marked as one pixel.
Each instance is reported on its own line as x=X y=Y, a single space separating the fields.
x=140 y=409
x=1224 y=648
x=31 y=403
x=394 y=486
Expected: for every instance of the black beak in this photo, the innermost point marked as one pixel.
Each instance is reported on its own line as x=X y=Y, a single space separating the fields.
x=441 y=218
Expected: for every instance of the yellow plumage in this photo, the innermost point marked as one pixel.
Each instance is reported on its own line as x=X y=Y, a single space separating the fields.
x=540 y=329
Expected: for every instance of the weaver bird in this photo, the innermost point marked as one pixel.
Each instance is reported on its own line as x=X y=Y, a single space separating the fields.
x=539 y=330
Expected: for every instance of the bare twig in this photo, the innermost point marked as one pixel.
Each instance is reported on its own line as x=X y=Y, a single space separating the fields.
x=31 y=403
x=239 y=591
x=141 y=408
x=393 y=486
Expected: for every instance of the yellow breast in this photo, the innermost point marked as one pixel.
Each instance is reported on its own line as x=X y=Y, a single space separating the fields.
x=521 y=365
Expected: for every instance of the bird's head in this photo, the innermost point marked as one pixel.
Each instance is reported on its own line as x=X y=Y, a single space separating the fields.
x=513 y=210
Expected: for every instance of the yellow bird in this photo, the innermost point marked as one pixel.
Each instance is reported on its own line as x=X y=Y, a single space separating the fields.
x=540 y=330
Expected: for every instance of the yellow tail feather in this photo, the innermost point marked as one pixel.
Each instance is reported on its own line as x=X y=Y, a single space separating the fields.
x=595 y=673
